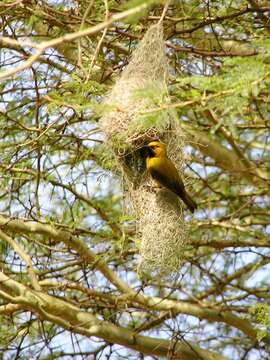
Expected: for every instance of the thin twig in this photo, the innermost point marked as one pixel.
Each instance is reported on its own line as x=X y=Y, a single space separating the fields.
x=100 y=41
x=164 y=11
x=79 y=62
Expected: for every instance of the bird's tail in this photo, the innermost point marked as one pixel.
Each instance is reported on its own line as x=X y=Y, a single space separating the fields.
x=189 y=201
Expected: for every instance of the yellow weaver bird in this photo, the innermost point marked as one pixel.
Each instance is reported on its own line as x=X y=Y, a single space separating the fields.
x=165 y=174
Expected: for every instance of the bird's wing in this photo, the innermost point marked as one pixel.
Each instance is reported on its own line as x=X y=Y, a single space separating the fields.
x=166 y=174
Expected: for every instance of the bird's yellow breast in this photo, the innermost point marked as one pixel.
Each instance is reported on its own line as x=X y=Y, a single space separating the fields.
x=164 y=166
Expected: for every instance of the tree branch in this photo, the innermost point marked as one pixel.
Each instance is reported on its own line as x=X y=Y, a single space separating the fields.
x=18 y=249
x=40 y=48
x=223 y=157
x=72 y=241
x=72 y=318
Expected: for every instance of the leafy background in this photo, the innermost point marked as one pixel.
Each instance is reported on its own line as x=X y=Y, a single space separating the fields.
x=63 y=229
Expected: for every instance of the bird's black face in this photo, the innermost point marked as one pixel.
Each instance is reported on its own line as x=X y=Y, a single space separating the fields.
x=156 y=149
x=153 y=149
x=150 y=151
x=145 y=151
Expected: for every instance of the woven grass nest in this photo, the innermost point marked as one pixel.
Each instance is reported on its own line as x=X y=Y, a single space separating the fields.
x=129 y=124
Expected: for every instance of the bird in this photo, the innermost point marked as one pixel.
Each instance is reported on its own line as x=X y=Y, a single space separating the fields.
x=165 y=174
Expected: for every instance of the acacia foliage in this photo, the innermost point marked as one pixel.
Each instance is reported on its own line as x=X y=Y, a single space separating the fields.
x=63 y=233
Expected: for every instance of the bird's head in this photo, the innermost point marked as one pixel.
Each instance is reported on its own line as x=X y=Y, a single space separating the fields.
x=157 y=149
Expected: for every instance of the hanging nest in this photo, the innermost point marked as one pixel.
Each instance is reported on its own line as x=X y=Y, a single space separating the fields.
x=129 y=124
